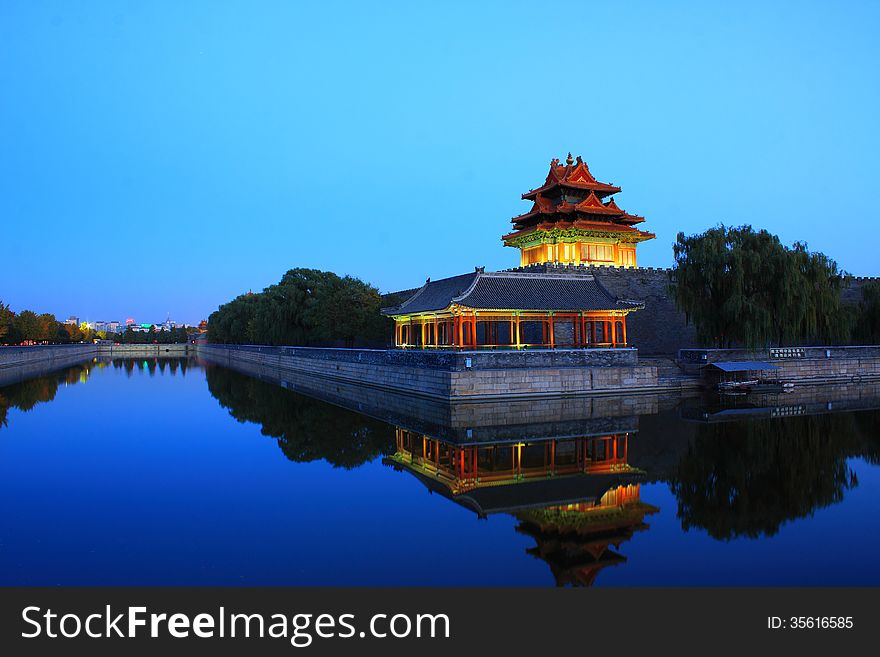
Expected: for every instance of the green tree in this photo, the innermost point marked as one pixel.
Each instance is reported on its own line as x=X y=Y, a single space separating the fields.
x=48 y=327
x=7 y=318
x=27 y=325
x=345 y=309
x=306 y=307
x=739 y=286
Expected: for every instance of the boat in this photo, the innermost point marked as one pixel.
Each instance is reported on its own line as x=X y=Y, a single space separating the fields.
x=736 y=386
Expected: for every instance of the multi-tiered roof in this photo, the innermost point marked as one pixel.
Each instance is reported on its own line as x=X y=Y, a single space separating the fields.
x=572 y=198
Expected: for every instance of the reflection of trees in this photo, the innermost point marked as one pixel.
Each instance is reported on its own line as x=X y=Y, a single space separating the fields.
x=306 y=429
x=27 y=394
x=748 y=478
x=172 y=364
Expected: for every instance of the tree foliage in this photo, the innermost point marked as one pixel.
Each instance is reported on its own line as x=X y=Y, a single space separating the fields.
x=750 y=478
x=739 y=286
x=27 y=326
x=305 y=429
x=306 y=307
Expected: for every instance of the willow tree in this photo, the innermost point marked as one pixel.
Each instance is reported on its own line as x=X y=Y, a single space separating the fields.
x=741 y=286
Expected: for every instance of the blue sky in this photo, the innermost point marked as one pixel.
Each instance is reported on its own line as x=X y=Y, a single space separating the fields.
x=164 y=157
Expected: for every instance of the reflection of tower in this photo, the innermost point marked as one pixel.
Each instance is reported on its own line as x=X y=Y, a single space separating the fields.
x=576 y=496
x=575 y=539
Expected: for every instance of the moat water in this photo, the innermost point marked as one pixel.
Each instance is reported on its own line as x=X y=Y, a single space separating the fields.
x=176 y=472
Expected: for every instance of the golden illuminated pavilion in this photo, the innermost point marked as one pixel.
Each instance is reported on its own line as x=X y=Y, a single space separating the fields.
x=512 y=310
x=574 y=219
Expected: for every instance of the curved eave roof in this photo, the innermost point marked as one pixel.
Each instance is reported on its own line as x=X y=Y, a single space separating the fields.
x=600 y=187
x=433 y=295
x=514 y=291
x=541 y=292
x=586 y=226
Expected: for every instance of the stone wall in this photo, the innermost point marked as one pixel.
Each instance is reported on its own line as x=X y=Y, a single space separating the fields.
x=853 y=293
x=659 y=329
x=804 y=365
x=142 y=350
x=20 y=363
x=457 y=375
x=465 y=421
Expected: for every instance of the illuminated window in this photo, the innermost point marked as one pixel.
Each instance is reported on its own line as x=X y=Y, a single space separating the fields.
x=597 y=252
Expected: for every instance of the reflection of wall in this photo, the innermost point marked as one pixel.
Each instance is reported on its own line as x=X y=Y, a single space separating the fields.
x=469 y=421
x=744 y=477
x=458 y=375
x=22 y=363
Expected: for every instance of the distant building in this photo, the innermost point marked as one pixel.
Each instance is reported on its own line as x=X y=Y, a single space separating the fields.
x=71 y=321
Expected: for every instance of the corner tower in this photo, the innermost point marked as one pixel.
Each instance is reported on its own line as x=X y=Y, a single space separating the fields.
x=575 y=220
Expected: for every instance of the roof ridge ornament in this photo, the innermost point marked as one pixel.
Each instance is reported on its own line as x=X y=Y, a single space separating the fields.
x=570 y=160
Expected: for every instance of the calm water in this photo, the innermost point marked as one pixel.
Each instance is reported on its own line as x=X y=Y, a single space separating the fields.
x=171 y=472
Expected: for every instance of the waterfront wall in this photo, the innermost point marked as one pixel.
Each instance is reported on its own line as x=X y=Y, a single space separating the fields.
x=799 y=364
x=457 y=375
x=466 y=421
x=142 y=350
x=21 y=363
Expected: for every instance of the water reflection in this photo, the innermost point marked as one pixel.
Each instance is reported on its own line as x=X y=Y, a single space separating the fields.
x=576 y=496
x=305 y=429
x=583 y=478
x=25 y=395
x=749 y=477
x=740 y=473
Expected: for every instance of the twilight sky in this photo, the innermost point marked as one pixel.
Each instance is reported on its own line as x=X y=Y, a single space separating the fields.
x=161 y=158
